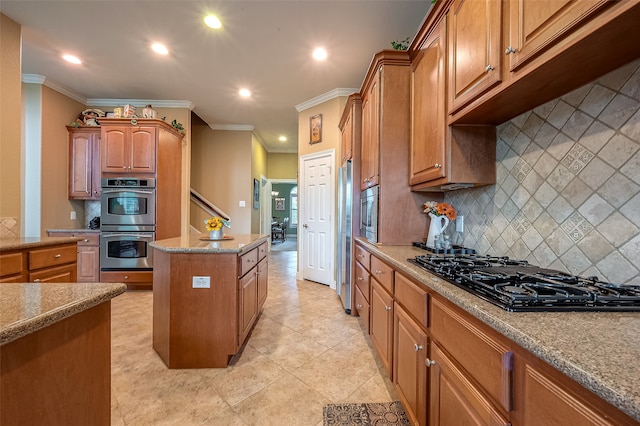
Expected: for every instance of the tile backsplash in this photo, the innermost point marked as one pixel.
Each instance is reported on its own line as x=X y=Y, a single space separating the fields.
x=567 y=192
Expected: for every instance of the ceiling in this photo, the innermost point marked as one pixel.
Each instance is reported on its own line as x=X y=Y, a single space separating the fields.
x=264 y=46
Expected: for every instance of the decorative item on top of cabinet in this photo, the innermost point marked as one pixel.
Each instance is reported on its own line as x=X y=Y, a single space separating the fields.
x=84 y=163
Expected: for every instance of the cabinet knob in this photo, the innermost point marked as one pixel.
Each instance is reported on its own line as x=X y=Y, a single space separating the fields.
x=85 y=241
x=359 y=306
x=387 y=308
x=378 y=272
x=37 y=280
x=437 y=165
x=429 y=362
x=359 y=278
x=417 y=347
x=489 y=68
x=126 y=277
x=509 y=50
x=57 y=256
x=361 y=256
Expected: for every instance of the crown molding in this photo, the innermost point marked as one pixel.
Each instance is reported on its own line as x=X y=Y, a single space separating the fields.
x=40 y=79
x=237 y=127
x=159 y=103
x=335 y=93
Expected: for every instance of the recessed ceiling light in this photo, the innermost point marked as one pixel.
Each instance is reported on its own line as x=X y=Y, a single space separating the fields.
x=282 y=138
x=320 y=54
x=160 y=48
x=213 y=22
x=72 y=59
x=245 y=93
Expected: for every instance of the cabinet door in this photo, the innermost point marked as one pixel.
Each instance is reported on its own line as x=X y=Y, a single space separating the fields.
x=453 y=399
x=370 y=134
x=96 y=172
x=84 y=169
x=538 y=25
x=428 y=122
x=88 y=264
x=248 y=303
x=263 y=282
x=114 y=152
x=143 y=150
x=346 y=138
x=474 y=39
x=382 y=324
x=409 y=368
x=362 y=308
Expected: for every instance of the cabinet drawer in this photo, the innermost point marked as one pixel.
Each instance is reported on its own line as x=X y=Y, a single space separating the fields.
x=88 y=238
x=248 y=261
x=382 y=273
x=413 y=298
x=482 y=356
x=362 y=307
x=362 y=256
x=10 y=264
x=262 y=251
x=46 y=257
x=58 y=274
x=362 y=280
x=126 y=277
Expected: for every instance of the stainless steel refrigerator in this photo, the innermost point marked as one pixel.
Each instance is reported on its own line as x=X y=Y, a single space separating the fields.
x=345 y=248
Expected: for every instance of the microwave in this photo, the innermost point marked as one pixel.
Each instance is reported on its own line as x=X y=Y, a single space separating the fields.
x=369 y=213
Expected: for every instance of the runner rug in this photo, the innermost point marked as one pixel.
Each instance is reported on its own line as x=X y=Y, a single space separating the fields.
x=371 y=414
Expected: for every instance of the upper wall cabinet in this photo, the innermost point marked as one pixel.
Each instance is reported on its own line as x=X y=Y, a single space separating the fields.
x=370 y=137
x=128 y=149
x=84 y=163
x=350 y=127
x=473 y=35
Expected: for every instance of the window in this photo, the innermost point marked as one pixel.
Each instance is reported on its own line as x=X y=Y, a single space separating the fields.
x=294 y=207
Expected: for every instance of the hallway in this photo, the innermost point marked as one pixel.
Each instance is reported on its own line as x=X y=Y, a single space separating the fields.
x=304 y=352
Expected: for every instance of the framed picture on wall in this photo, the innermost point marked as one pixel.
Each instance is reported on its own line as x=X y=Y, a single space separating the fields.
x=315 y=129
x=279 y=203
x=256 y=194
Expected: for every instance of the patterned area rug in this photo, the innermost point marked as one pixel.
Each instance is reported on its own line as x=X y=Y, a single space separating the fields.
x=374 y=414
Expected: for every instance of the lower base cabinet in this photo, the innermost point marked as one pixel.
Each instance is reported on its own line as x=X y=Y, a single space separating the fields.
x=382 y=324
x=409 y=368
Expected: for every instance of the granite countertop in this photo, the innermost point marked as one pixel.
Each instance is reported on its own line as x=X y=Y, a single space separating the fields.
x=29 y=307
x=599 y=350
x=195 y=244
x=18 y=243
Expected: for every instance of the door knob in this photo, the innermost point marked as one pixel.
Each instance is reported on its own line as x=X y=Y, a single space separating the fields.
x=305 y=226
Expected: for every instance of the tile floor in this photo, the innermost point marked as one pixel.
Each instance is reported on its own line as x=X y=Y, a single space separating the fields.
x=303 y=352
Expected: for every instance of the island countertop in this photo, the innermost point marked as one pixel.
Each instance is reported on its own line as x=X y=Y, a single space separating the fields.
x=29 y=307
x=199 y=243
x=19 y=243
x=599 y=350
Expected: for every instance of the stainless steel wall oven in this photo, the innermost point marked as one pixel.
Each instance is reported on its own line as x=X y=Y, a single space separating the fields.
x=128 y=215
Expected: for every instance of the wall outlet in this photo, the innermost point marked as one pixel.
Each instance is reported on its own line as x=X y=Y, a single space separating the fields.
x=460 y=224
x=201 y=282
x=73 y=215
x=242 y=203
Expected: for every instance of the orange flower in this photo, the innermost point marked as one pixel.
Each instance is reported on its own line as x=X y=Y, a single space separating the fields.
x=440 y=209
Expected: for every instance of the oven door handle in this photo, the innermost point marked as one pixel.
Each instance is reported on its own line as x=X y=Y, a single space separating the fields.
x=125 y=235
x=135 y=191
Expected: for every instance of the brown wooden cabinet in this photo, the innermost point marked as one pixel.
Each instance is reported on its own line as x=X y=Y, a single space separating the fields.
x=128 y=149
x=84 y=163
x=46 y=263
x=475 y=51
x=370 y=153
x=350 y=127
x=12 y=267
x=248 y=288
x=263 y=282
x=409 y=368
x=88 y=254
x=381 y=318
x=363 y=289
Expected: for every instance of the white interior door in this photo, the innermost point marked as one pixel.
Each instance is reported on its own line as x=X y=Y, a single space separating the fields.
x=317 y=248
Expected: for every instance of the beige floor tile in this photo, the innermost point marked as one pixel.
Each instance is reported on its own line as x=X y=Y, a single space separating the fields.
x=303 y=352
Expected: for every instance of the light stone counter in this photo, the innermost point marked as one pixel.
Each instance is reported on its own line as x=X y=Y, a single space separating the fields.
x=28 y=307
x=18 y=243
x=199 y=244
x=599 y=350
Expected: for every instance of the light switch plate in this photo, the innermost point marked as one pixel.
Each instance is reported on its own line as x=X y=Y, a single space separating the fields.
x=73 y=215
x=201 y=282
x=242 y=203
x=460 y=224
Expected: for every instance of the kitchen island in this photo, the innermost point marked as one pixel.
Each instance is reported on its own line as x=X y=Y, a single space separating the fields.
x=589 y=357
x=55 y=352
x=207 y=295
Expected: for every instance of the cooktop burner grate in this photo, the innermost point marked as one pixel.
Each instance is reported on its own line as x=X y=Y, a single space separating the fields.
x=516 y=285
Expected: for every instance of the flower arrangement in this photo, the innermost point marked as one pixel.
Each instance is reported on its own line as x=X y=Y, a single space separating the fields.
x=215 y=223
x=440 y=209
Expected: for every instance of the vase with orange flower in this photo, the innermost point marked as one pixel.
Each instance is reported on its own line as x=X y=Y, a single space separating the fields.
x=440 y=215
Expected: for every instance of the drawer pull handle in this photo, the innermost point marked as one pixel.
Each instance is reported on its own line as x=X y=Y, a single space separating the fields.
x=37 y=280
x=85 y=241
x=378 y=272
x=359 y=306
x=126 y=277
x=361 y=256
x=359 y=278
x=417 y=347
x=387 y=308
x=57 y=256
x=429 y=362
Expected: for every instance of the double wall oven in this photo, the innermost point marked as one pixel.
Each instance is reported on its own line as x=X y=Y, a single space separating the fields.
x=128 y=215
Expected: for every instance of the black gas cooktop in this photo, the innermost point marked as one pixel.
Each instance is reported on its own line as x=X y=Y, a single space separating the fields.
x=516 y=285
